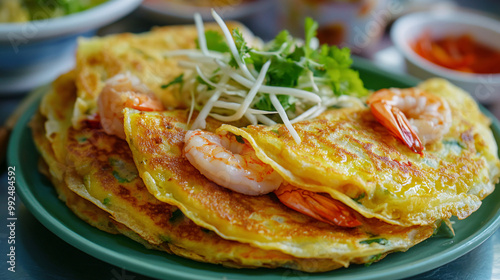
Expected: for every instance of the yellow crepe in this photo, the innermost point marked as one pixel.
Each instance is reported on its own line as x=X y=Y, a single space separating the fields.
x=147 y=190
x=95 y=175
x=81 y=207
x=349 y=155
x=157 y=139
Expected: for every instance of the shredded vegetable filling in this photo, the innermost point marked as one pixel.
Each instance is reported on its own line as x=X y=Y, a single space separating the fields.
x=286 y=80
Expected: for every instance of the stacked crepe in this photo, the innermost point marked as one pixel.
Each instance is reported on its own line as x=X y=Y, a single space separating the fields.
x=144 y=187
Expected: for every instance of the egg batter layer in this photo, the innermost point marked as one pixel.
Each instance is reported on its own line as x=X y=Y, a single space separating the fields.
x=348 y=154
x=95 y=175
x=157 y=140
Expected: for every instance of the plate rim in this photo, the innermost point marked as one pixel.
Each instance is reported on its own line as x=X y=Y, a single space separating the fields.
x=142 y=267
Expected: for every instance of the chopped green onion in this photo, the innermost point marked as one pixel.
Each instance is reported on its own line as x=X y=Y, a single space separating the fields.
x=381 y=241
x=176 y=80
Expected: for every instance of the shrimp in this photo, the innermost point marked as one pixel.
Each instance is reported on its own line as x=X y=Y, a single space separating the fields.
x=415 y=117
x=231 y=162
x=120 y=92
x=316 y=205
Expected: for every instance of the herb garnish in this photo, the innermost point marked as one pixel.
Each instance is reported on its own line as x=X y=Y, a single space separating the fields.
x=285 y=80
x=176 y=80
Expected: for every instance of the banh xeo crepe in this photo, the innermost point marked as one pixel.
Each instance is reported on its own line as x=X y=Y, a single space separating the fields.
x=58 y=104
x=99 y=168
x=84 y=209
x=100 y=184
x=263 y=221
x=147 y=189
x=349 y=155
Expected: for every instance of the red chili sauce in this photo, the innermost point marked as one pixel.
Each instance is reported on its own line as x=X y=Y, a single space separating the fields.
x=461 y=53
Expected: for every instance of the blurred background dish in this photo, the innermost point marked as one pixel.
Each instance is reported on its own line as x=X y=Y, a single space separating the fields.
x=181 y=11
x=357 y=24
x=29 y=10
x=258 y=15
x=35 y=52
x=460 y=46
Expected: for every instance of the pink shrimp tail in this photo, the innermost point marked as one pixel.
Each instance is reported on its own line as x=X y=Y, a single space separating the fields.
x=124 y=91
x=319 y=206
x=397 y=123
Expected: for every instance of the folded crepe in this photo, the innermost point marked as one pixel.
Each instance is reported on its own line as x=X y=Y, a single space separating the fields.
x=146 y=189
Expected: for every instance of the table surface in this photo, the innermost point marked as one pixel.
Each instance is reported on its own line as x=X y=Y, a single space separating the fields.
x=42 y=255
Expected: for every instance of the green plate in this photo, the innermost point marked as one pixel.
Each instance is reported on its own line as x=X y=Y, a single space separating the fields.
x=40 y=197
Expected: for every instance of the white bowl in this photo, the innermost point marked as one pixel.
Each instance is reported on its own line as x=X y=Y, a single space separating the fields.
x=36 y=52
x=483 y=87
